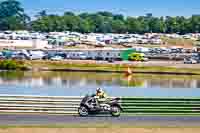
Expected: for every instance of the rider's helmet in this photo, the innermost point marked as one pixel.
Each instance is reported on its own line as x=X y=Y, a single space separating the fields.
x=99 y=90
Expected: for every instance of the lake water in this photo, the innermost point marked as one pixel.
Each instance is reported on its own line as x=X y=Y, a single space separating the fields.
x=79 y=84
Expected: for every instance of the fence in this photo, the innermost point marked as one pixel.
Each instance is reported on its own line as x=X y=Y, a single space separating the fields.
x=69 y=105
x=39 y=104
x=161 y=106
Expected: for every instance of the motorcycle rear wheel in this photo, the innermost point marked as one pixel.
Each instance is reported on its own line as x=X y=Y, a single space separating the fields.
x=116 y=111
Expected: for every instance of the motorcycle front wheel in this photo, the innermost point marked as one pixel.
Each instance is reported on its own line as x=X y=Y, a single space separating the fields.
x=115 y=111
x=83 y=111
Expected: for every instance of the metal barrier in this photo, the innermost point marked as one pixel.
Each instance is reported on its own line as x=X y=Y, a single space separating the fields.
x=39 y=104
x=69 y=105
x=164 y=106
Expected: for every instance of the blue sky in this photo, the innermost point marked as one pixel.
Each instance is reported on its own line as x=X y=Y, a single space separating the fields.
x=126 y=7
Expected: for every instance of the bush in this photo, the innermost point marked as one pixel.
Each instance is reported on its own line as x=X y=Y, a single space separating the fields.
x=11 y=65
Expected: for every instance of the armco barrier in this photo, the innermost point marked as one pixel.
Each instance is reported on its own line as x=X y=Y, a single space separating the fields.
x=69 y=105
x=167 y=106
x=39 y=104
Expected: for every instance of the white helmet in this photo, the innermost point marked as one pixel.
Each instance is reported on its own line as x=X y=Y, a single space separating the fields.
x=99 y=90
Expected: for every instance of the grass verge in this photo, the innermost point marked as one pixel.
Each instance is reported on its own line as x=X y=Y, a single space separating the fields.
x=105 y=125
x=106 y=67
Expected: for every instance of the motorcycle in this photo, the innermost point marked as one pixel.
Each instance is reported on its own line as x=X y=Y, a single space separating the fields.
x=90 y=105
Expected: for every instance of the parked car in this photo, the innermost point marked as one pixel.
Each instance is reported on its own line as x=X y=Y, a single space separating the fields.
x=64 y=55
x=57 y=58
x=77 y=55
x=18 y=57
x=190 y=61
x=82 y=56
x=48 y=56
x=111 y=60
x=2 y=57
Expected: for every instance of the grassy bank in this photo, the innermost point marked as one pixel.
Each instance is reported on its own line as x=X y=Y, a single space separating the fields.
x=92 y=66
x=97 y=125
x=102 y=130
x=107 y=67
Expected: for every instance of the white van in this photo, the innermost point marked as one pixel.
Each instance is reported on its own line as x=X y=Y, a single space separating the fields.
x=36 y=55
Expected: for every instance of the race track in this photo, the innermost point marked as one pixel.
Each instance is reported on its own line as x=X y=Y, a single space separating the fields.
x=163 y=121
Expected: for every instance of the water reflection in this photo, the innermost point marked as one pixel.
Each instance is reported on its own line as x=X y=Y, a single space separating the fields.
x=77 y=83
x=78 y=79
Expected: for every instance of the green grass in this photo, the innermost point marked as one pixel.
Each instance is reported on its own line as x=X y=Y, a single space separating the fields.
x=67 y=125
x=110 y=67
x=105 y=125
x=51 y=65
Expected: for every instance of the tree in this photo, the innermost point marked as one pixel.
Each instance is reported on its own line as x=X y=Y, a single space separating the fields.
x=12 y=16
x=71 y=22
x=84 y=15
x=118 y=17
x=41 y=14
x=97 y=21
x=133 y=25
x=118 y=26
x=156 y=25
x=85 y=26
x=195 y=23
x=104 y=22
x=69 y=14
x=172 y=25
x=105 y=14
x=11 y=8
x=183 y=25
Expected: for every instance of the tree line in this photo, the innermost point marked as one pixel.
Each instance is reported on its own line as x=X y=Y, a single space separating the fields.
x=13 y=17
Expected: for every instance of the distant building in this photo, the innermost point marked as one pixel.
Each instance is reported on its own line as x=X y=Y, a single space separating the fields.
x=24 y=43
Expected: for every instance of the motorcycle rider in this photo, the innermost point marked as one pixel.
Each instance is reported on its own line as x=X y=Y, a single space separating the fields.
x=100 y=96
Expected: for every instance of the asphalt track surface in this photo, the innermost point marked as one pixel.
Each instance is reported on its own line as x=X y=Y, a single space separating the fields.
x=164 y=121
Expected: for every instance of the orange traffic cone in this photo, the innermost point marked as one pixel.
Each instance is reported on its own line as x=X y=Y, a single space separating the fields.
x=129 y=71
